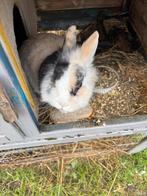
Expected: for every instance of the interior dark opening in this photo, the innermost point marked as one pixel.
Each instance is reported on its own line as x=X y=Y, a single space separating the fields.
x=19 y=28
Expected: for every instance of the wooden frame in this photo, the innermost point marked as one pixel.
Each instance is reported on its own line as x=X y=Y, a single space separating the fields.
x=76 y=4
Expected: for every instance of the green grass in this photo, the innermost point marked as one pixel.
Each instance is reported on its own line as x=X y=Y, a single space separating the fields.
x=124 y=176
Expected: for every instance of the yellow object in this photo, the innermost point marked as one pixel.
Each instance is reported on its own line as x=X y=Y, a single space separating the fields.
x=9 y=51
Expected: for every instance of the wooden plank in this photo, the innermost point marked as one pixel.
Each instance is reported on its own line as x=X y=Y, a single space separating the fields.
x=26 y=122
x=138 y=15
x=63 y=19
x=65 y=140
x=76 y=4
x=6 y=109
x=74 y=132
x=12 y=58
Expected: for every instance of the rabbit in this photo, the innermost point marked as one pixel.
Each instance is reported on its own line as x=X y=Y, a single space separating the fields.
x=67 y=77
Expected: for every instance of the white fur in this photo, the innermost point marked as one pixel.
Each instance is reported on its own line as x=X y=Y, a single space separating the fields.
x=79 y=59
x=59 y=96
x=80 y=101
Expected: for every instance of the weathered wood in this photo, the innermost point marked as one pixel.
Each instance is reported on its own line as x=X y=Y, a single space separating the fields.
x=5 y=108
x=62 y=19
x=59 y=117
x=138 y=15
x=76 y=4
x=8 y=20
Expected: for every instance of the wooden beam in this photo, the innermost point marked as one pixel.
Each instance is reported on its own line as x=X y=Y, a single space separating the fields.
x=75 y=4
x=138 y=15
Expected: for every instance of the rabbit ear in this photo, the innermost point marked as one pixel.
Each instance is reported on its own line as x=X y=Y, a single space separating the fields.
x=89 y=47
x=70 y=38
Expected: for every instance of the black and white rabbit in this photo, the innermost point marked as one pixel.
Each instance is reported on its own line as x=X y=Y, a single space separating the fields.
x=67 y=77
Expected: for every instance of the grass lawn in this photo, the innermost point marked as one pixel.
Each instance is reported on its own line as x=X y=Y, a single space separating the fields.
x=126 y=175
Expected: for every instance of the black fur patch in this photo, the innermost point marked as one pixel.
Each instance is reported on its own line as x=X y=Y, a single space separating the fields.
x=59 y=70
x=53 y=63
x=80 y=78
x=48 y=64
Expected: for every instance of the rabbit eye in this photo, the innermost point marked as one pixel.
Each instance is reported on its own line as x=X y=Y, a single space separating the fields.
x=75 y=90
x=80 y=77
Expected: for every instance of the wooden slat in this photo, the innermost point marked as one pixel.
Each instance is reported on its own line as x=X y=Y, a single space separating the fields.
x=138 y=14
x=12 y=58
x=76 y=4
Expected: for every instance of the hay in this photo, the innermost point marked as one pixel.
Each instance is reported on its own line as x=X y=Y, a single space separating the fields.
x=103 y=149
x=127 y=99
